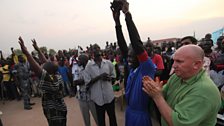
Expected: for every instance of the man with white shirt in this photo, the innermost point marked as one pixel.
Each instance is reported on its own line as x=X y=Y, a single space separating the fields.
x=102 y=72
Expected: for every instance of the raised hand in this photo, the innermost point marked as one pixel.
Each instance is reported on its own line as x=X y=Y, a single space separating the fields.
x=125 y=7
x=116 y=5
x=35 y=44
x=35 y=66
x=12 y=49
x=116 y=14
x=41 y=55
x=23 y=47
x=151 y=87
x=115 y=8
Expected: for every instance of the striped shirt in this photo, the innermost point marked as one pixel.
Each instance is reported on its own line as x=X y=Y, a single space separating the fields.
x=52 y=92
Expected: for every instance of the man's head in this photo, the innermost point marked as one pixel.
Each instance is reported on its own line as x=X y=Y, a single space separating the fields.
x=60 y=52
x=83 y=60
x=219 y=42
x=188 y=40
x=50 y=67
x=132 y=58
x=208 y=36
x=222 y=45
x=206 y=45
x=51 y=57
x=188 y=61
x=61 y=62
x=149 y=48
x=21 y=59
x=96 y=55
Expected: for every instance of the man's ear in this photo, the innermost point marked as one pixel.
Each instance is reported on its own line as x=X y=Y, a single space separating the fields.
x=198 y=64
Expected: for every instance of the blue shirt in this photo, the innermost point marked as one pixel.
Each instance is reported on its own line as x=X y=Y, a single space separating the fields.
x=137 y=113
x=63 y=70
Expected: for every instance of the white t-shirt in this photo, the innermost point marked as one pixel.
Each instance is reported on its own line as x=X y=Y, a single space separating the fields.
x=75 y=68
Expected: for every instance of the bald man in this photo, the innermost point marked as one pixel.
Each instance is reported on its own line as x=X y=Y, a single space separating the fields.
x=190 y=98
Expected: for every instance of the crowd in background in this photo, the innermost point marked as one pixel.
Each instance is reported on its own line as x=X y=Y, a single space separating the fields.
x=84 y=72
x=214 y=53
x=11 y=90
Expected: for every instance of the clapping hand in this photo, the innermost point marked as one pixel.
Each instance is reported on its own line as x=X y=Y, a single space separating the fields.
x=105 y=77
x=151 y=87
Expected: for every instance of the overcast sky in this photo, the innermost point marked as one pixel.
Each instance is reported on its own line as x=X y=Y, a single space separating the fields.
x=64 y=24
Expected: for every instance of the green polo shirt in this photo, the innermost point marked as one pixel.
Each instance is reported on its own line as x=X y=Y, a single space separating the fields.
x=195 y=102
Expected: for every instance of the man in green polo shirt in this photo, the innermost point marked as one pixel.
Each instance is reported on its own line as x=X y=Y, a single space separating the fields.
x=190 y=98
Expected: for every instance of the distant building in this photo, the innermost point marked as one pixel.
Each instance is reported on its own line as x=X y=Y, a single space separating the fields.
x=161 y=41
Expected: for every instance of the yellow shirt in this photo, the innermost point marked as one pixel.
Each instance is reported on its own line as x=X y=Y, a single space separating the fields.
x=5 y=71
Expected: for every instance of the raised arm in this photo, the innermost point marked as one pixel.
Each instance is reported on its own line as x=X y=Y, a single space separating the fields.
x=116 y=8
x=40 y=54
x=2 y=58
x=133 y=32
x=14 y=56
x=34 y=65
x=12 y=51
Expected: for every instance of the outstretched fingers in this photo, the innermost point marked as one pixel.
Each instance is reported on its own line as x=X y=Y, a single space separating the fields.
x=151 y=87
x=158 y=82
x=146 y=79
x=21 y=41
x=22 y=45
x=34 y=44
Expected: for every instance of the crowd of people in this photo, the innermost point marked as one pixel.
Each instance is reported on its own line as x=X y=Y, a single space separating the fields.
x=178 y=84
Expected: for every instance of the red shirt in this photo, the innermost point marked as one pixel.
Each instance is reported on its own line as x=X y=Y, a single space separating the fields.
x=158 y=61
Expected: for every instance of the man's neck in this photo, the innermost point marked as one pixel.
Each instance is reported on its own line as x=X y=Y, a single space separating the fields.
x=98 y=62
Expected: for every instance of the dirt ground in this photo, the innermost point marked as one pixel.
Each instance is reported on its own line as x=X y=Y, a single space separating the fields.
x=15 y=115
